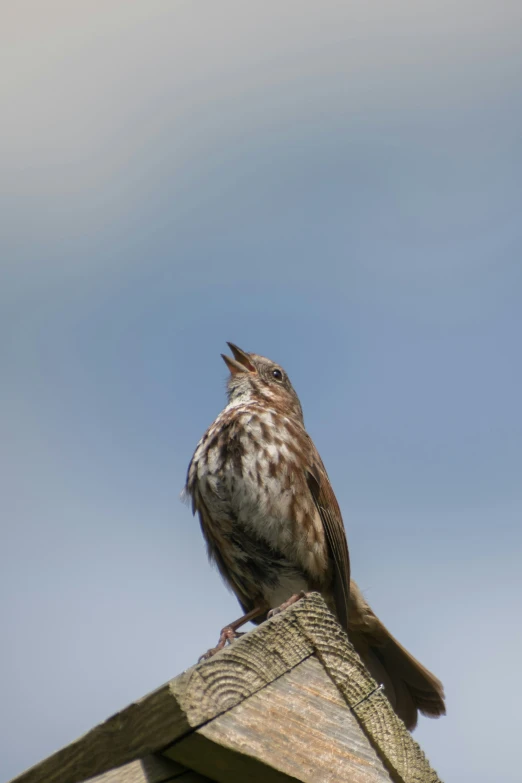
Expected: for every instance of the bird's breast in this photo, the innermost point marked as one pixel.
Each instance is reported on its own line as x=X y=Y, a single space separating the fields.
x=248 y=471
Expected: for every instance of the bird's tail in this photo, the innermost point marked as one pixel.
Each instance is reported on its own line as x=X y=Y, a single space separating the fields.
x=410 y=687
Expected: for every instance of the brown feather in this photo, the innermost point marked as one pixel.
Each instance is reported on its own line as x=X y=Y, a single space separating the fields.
x=330 y=513
x=407 y=683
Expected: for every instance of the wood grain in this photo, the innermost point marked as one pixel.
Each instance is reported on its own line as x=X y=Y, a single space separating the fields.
x=297 y=726
x=187 y=701
x=151 y=769
x=140 y=729
x=231 y=677
x=401 y=755
x=240 y=670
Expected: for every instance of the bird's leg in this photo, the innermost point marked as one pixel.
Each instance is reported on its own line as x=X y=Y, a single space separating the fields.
x=292 y=600
x=229 y=632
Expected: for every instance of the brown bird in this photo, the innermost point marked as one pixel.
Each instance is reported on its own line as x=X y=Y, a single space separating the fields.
x=274 y=528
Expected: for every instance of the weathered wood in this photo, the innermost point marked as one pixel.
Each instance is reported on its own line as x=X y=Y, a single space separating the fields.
x=231 y=765
x=400 y=753
x=187 y=701
x=297 y=727
x=137 y=731
x=151 y=769
x=234 y=675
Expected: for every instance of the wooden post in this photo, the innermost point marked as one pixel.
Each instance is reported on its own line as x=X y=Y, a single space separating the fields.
x=289 y=701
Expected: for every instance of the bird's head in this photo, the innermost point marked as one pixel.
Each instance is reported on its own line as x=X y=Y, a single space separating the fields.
x=254 y=377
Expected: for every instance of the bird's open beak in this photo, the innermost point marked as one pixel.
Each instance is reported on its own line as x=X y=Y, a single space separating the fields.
x=241 y=361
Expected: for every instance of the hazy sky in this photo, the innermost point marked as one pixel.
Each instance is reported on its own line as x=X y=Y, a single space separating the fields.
x=335 y=185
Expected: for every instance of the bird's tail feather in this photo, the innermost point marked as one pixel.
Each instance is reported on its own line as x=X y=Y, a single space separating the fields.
x=410 y=687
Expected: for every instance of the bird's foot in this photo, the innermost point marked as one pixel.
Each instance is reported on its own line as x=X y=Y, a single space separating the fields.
x=228 y=634
x=292 y=600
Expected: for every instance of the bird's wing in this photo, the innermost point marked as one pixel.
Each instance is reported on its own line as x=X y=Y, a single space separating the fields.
x=330 y=513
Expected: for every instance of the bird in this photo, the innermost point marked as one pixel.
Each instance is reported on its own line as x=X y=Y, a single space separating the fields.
x=273 y=526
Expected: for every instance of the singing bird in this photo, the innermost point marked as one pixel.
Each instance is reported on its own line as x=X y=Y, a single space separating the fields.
x=273 y=526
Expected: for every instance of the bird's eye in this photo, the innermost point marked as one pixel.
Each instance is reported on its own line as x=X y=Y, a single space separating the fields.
x=277 y=374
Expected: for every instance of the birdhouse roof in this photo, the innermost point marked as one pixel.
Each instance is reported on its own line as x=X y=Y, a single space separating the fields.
x=290 y=700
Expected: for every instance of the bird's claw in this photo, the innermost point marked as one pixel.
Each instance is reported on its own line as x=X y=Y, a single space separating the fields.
x=227 y=635
x=292 y=600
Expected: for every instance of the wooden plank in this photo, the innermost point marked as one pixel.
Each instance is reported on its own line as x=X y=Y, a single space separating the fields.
x=151 y=769
x=394 y=744
x=129 y=735
x=229 y=765
x=225 y=681
x=297 y=728
x=186 y=702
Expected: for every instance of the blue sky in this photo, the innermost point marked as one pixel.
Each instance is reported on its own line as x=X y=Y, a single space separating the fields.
x=336 y=186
